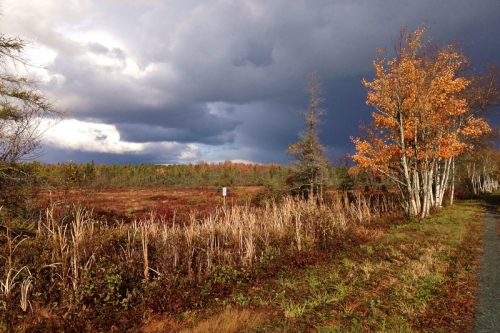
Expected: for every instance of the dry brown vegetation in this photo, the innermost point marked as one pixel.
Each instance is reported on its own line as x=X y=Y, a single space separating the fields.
x=131 y=204
x=278 y=267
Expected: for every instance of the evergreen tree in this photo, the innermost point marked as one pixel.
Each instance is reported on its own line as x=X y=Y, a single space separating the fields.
x=310 y=165
x=22 y=107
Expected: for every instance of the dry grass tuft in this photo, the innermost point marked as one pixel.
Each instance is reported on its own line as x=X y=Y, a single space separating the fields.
x=160 y=324
x=229 y=321
x=367 y=233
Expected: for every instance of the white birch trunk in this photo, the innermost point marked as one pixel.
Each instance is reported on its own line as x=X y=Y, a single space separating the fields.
x=452 y=194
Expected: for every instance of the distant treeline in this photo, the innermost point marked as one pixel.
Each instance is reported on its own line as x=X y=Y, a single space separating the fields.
x=145 y=175
x=71 y=175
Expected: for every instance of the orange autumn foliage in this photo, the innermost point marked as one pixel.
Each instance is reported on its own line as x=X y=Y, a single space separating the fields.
x=421 y=117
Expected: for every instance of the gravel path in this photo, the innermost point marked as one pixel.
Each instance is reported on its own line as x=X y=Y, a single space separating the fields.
x=488 y=310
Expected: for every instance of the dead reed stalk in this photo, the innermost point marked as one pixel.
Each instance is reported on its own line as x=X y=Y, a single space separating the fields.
x=145 y=251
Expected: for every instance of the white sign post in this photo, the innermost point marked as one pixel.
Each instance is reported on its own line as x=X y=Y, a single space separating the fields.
x=224 y=193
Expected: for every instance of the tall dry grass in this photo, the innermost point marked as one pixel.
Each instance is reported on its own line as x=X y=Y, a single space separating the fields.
x=80 y=266
x=241 y=235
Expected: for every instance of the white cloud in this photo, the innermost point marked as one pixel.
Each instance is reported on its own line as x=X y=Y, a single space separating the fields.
x=191 y=154
x=78 y=135
x=89 y=137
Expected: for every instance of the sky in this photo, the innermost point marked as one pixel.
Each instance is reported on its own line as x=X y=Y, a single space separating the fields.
x=184 y=81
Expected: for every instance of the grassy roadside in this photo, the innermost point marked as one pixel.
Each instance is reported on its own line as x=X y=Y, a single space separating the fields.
x=409 y=276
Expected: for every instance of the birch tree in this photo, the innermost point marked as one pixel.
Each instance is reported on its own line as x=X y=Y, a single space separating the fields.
x=482 y=95
x=421 y=120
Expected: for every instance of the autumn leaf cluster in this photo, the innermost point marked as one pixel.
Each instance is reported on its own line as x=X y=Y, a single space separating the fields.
x=420 y=107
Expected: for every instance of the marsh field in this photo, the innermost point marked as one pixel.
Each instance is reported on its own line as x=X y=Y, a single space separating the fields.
x=175 y=259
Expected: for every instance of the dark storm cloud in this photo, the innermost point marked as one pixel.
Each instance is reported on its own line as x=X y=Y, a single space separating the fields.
x=52 y=154
x=231 y=73
x=179 y=123
x=257 y=53
x=150 y=133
